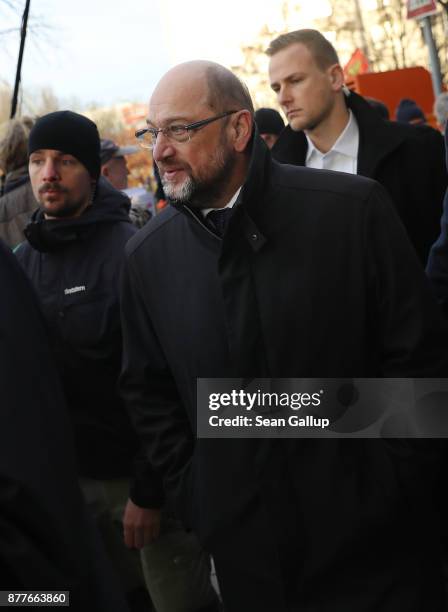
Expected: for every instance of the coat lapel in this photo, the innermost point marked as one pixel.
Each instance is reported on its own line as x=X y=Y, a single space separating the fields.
x=290 y=148
x=244 y=326
x=376 y=141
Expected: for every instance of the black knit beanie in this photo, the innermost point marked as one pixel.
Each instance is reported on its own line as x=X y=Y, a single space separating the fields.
x=70 y=133
x=408 y=110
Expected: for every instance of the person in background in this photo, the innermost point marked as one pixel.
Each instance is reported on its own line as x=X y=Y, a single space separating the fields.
x=336 y=129
x=72 y=255
x=47 y=539
x=379 y=106
x=408 y=111
x=270 y=125
x=17 y=201
x=114 y=168
x=441 y=110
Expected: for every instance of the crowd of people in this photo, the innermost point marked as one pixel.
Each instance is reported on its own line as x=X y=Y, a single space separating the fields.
x=315 y=249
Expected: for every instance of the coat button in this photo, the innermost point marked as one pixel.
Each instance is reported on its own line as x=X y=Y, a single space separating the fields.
x=254 y=237
x=61 y=314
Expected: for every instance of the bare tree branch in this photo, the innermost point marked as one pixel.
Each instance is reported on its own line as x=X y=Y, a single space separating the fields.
x=9 y=31
x=37 y=24
x=11 y=4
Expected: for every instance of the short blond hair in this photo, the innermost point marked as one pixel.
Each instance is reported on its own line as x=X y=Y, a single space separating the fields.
x=323 y=52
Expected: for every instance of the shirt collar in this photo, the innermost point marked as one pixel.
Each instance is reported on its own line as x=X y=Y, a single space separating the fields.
x=230 y=204
x=346 y=144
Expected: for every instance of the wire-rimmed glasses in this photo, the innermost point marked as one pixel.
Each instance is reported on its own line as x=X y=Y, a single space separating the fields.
x=147 y=137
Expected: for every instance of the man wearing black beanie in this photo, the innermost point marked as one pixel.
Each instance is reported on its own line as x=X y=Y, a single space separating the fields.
x=73 y=256
x=70 y=143
x=71 y=133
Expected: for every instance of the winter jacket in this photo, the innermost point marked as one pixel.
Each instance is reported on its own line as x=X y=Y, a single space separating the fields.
x=47 y=539
x=75 y=266
x=313 y=278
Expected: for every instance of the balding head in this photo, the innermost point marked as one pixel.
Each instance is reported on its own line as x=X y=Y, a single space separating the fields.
x=225 y=90
x=207 y=82
x=184 y=84
x=203 y=165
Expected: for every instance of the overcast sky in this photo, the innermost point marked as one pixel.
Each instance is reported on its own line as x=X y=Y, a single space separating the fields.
x=89 y=51
x=108 y=51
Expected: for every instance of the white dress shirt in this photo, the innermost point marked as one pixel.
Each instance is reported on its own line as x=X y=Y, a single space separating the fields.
x=231 y=204
x=343 y=155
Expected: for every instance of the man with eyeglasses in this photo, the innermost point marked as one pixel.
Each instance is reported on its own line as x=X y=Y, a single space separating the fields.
x=263 y=270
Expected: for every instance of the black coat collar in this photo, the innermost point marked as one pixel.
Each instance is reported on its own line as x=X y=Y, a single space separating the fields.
x=257 y=181
x=377 y=139
x=253 y=190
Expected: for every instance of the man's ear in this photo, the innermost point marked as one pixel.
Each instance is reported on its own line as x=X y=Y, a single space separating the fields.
x=105 y=171
x=242 y=128
x=336 y=75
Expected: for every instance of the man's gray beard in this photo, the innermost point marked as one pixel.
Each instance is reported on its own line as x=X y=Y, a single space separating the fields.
x=203 y=193
x=179 y=195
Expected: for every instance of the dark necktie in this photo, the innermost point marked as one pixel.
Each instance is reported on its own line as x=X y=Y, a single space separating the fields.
x=218 y=220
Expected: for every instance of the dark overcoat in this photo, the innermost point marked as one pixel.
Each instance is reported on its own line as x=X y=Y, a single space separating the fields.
x=437 y=267
x=47 y=539
x=407 y=160
x=315 y=277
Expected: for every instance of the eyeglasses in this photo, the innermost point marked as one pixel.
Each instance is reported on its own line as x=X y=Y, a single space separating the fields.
x=147 y=137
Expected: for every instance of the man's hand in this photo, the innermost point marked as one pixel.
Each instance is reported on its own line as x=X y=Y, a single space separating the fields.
x=141 y=525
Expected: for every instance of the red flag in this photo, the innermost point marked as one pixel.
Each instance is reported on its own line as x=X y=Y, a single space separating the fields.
x=357 y=64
